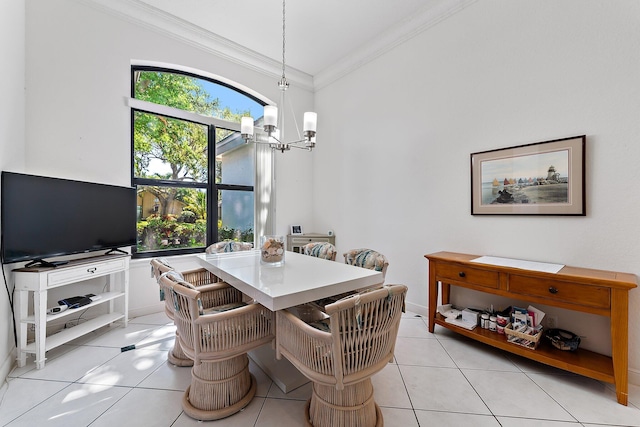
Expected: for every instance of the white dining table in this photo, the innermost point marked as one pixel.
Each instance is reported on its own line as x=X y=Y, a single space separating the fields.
x=301 y=279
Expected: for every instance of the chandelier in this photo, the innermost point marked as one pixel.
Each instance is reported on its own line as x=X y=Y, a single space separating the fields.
x=273 y=123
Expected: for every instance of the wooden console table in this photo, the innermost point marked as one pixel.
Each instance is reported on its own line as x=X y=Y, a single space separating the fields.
x=605 y=293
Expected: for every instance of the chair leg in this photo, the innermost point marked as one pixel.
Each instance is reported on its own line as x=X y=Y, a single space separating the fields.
x=219 y=389
x=176 y=355
x=352 y=407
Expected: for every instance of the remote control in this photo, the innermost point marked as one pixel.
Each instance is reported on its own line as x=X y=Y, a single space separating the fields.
x=55 y=310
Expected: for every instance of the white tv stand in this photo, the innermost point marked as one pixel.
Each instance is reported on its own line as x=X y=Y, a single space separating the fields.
x=38 y=280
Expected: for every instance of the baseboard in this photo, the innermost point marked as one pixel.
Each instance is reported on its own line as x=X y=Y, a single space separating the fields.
x=149 y=309
x=417 y=308
x=8 y=364
x=634 y=377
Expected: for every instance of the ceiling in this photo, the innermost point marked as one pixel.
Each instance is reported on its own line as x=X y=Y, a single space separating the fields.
x=322 y=36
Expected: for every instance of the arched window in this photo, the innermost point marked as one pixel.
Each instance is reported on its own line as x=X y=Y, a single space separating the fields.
x=194 y=173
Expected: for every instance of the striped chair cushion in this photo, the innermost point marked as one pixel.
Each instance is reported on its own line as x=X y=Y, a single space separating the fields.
x=229 y=247
x=365 y=258
x=324 y=250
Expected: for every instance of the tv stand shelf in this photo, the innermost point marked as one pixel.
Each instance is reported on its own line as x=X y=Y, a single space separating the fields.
x=605 y=293
x=35 y=282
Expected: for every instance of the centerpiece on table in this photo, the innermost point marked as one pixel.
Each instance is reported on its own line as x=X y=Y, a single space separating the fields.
x=272 y=250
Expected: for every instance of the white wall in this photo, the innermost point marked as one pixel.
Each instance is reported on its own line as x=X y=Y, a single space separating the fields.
x=497 y=74
x=393 y=173
x=77 y=124
x=12 y=106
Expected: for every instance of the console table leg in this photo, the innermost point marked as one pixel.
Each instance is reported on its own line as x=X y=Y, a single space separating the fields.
x=40 y=311
x=433 y=298
x=22 y=305
x=619 y=342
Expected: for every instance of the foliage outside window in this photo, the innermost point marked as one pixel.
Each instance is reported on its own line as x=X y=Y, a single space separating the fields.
x=193 y=172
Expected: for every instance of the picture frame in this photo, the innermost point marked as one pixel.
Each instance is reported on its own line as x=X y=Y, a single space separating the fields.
x=296 y=230
x=542 y=178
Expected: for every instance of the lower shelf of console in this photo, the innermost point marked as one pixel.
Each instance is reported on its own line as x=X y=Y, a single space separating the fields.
x=77 y=331
x=581 y=361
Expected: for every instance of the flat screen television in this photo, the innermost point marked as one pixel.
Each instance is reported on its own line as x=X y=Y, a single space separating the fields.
x=44 y=217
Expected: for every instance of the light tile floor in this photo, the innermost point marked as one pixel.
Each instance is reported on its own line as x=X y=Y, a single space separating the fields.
x=437 y=379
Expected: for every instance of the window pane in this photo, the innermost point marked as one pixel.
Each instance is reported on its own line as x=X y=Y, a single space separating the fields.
x=235 y=213
x=232 y=105
x=198 y=95
x=171 y=218
x=166 y=148
x=235 y=163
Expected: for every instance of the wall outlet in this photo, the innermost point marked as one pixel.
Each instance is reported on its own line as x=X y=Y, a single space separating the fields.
x=552 y=322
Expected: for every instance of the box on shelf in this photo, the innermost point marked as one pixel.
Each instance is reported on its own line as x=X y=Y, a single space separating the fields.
x=523 y=339
x=470 y=316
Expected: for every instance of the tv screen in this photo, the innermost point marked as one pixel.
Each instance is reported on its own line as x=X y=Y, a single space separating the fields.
x=45 y=217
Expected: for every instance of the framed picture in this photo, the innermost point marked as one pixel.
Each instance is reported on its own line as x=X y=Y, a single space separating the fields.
x=296 y=229
x=544 y=178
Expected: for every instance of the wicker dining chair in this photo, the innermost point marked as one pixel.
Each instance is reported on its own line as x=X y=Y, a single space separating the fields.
x=324 y=250
x=229 y=246
x=367 y=258
x=341 y=353
x=159 y=268
x=217 y=339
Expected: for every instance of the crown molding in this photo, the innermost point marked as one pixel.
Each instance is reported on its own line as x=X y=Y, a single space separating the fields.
x=142 y=14
x=154 y=19
x=389 y=39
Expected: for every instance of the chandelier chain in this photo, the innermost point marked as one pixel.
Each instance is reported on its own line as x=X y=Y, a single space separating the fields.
x=283 y=38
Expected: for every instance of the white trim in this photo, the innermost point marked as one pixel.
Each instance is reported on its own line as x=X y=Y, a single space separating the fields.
x=7 y=366
x=146 y=16
x=142 y=14
x=147 y=310
x=420 y=309
x=165 y=110
x=634 y=377
x=389 y=39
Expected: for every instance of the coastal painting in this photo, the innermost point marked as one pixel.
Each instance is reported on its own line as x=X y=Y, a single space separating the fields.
x=544 y=178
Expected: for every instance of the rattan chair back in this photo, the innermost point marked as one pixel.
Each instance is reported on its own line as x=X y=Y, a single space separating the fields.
x=361 y=341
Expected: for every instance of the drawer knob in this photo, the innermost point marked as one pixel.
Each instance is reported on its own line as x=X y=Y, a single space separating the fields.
x=91 y=270
x=553 y=290
x=461 y=274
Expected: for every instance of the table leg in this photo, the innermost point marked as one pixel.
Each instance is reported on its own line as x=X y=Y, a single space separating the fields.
x=282 y=372
x=619 y=342
x=40 y=312
x=22 y=305
x=433 y=296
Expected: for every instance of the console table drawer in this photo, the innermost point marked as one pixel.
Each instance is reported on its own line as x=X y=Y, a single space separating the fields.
x=305 y=240
x=87 y=271
x=571 y=293
x=464 y=274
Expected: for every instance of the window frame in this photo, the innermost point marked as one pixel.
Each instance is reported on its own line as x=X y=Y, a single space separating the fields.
x=212 y=123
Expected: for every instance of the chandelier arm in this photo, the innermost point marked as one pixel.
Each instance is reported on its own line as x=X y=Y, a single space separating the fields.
x=295 y=122
x=302 y=147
